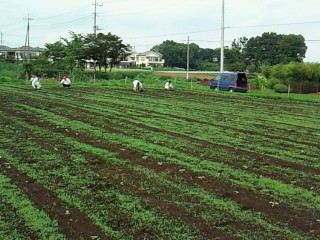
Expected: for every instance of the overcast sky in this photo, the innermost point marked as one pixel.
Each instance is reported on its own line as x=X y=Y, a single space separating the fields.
x=145 y=23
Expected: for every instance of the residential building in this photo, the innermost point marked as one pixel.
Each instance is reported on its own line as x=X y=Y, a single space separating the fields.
x=20 y=53
x=145 y=59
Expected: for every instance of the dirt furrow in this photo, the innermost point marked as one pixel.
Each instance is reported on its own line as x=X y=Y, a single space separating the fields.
x=300 y=220
x=73 y=223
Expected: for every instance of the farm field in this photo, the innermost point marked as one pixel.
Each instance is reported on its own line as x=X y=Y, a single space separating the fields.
x=108 y=163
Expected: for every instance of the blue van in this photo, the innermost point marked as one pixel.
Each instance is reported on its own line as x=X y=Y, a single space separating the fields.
x=230 y=81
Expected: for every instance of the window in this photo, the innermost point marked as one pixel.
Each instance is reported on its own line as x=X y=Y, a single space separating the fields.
x=153 y=59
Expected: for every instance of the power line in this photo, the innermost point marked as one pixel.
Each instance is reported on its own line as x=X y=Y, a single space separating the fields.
x=174 y=34
x=218 y=29
x=277 y=24
x=59 y=15
x=66 y=22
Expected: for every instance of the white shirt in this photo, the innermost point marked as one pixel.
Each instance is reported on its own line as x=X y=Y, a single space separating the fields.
x=168 y=86
x=66 y=81
x=135 y=83
x=35 y=82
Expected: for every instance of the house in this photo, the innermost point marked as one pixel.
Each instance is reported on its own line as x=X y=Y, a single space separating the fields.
x=145 y=59
x=20 y=53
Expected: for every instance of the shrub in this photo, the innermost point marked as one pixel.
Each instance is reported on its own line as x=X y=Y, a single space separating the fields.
x=5 y=79
x=258 y=82
x=272 y=82
x=280 y=88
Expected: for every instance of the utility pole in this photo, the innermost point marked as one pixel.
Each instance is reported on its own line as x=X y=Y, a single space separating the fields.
x=95 y=27
x=222 y=39
x=1 y=39
x=27 y=41
x=188 y=55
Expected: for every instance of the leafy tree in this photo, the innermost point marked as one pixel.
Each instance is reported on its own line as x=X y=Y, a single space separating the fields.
x=194 y=55
x=74 y=49
x=174 y=53
x=292 y=48
x=8 y=59
x=272 y=49
x=115 y=50
x=66 y=53
x=56 y=52
x=28 y=70
x=95 y=49
x=106 y=50
x=208 y=59
x=239 y=45
x=208 y=55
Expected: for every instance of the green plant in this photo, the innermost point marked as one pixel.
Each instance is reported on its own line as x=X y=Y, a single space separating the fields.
x=280 y=88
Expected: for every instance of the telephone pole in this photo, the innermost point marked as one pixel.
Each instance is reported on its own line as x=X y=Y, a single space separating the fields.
x=188 y=55
x=1 y=39
x=27 y=41
x=95 y=27
x=222 y=39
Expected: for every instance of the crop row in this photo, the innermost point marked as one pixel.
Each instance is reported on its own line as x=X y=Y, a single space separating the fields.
x=138 y=170
x=296 y=145
x=74 y=182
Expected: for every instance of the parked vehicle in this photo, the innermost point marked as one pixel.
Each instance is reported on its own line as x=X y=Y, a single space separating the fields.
x=230 y=81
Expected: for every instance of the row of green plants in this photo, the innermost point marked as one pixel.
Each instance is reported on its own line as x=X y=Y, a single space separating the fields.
x=184 y=127
x=127 y=205
x=20 y=218
x=74 y=184
x=249 y=125
x=239 y=139
x=235 y=138
x=100 y=118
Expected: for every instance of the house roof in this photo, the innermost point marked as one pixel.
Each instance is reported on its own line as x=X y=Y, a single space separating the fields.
x=150 y=53
x=4 y=48
x=36 y=49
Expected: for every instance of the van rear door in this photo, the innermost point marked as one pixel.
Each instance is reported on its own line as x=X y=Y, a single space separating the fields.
x=242 y=81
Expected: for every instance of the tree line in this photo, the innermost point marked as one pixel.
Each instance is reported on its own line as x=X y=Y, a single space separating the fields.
x=277 y=56
x=107 y=50
x=244 y=54
x=102 y=50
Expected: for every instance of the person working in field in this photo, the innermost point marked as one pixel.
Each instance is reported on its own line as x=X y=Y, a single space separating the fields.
x=168 y=86
x=137 y=86
x=35 y=82
x=66 y=82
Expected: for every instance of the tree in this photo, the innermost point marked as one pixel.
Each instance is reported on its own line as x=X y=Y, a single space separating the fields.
x=115 y=49
x=175 y=54
x=292 y=48
x=207 y=55
x=107 y=50
x=74 y=49
x=66 y=53
x=272 y=48
x=56 y=52
x=95 y=49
